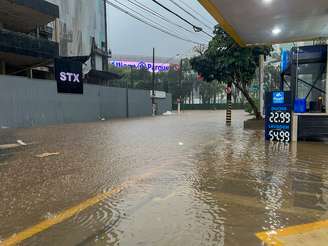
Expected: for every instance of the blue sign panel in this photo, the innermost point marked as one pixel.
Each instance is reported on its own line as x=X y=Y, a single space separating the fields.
x=278 y=97
x=284 y=60
x=278 y=117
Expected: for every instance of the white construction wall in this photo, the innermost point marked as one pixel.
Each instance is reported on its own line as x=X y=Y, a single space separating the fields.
x=30 y=102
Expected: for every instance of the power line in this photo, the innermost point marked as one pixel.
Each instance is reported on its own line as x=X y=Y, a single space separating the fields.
x=158 y=15
x=143 y=16
x=196 y=12
x=196 y=28
x=149 y=24
x=190 y=14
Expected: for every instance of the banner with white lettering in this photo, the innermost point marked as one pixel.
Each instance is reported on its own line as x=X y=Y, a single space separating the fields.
x=69 y=76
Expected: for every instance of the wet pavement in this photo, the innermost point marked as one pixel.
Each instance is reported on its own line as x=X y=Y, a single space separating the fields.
x=183 y=180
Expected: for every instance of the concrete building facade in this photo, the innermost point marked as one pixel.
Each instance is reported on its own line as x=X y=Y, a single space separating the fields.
x=25 y=37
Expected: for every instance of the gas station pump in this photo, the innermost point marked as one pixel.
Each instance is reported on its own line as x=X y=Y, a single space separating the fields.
x=303 y=79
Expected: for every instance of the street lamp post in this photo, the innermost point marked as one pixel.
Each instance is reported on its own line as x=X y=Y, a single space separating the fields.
x=180 y=87
x=127 y=92
x=153 y=86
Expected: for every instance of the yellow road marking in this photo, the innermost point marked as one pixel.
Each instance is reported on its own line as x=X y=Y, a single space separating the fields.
x=66 y=214
x=270 y=237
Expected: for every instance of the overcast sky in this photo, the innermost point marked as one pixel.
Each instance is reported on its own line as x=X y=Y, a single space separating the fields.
x=128 y=36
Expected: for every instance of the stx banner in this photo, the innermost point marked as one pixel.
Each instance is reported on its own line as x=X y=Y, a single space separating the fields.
x=69 y=76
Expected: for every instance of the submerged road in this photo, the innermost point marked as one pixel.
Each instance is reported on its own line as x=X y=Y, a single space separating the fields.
x=174 y=180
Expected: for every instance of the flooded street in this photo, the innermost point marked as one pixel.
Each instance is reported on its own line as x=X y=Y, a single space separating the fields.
x=175 y=180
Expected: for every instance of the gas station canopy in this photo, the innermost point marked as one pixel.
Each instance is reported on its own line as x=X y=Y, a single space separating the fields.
x=256 y=22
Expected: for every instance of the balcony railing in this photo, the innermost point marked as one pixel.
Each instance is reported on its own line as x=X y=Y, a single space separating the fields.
x=27 y=45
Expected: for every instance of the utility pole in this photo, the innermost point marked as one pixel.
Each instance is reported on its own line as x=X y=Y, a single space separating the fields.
x=127 y=93
x=153 y=86
x=180 y=87
x=105 y=59
x=229 y=103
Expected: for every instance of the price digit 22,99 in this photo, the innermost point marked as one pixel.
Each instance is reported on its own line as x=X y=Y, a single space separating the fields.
x=280 y=117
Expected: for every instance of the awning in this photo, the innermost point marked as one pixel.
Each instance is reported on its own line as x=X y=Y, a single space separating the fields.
x=255 y=22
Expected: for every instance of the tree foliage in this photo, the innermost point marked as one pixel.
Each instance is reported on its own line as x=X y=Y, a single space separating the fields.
x=228 y=63
x=169 y=81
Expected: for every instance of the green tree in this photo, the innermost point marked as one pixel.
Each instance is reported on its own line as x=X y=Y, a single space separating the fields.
x=170 y=81
x=227 y=62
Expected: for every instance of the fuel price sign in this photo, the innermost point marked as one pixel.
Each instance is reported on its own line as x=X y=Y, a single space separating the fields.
x=278 y=120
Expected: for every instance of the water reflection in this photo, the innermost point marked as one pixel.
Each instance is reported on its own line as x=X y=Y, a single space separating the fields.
x=242 y=171
x=220 y=187
x=272 y=191
x=224 y=191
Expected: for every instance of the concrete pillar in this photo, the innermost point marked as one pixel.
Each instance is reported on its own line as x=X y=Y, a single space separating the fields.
x=293 y=149
x=295 y=128
x=56 y=32
x=2 y=67
x=261 y=84
x=327 y=82
x=29 y=73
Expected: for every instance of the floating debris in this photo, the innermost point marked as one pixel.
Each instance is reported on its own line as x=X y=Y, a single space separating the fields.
x=9 y=146
x=3 y=164
x=168 y=113
x=162 y=199
x=21 y=142
x=47 y=155
x=181 y=144
x=18 y=143
x=49 y=215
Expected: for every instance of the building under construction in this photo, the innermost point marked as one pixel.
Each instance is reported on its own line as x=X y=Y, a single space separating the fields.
x=34 y=32
x=34 y=36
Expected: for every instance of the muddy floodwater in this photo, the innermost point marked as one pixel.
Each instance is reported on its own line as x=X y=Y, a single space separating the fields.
x=173 y=180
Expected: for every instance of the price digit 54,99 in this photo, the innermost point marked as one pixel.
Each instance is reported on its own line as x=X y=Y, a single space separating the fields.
x=281 y=136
